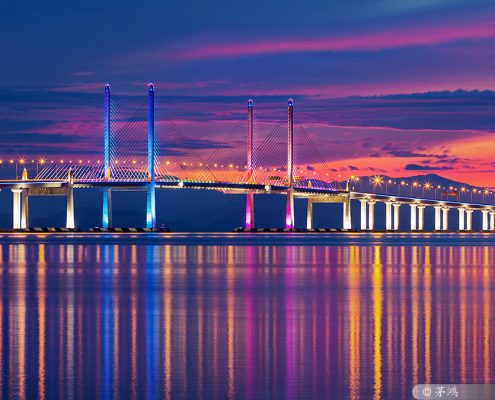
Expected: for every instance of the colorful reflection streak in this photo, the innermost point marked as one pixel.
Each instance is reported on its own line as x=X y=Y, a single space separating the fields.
x=167 y=321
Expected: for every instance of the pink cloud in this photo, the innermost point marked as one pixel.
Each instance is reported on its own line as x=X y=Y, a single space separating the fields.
x=375 y=41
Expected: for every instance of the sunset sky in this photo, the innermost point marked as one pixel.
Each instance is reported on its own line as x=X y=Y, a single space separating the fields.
x=382 y=86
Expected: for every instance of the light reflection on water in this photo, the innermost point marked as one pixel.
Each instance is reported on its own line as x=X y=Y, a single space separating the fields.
x=120 y=319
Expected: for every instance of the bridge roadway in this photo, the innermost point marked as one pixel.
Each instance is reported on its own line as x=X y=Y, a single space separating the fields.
x=143 y=184
x=417 y=206
x=417 y=200
x=23 y=189
x=228 y=186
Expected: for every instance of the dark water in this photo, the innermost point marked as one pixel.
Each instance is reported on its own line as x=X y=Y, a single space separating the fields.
x=235 y=316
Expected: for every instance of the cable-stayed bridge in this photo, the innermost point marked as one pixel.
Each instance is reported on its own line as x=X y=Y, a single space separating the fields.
x=148 y=152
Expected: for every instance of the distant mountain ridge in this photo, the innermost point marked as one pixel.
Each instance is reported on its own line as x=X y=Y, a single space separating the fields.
x=428 y=186
x=372 y=182
x=433 y=179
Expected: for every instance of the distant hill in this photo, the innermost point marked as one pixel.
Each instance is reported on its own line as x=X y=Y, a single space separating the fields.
x=428 y=186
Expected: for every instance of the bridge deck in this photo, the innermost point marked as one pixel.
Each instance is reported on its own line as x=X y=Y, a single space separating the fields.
x=231 y=187
x=138 y=184
x=412 y=200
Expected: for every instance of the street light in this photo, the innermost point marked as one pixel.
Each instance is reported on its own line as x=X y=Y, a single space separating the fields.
x=427 y=185
x=41 y=161
x=415 y=184
x=386 y=185
x=354 y=179
x=377 y=180
x=21 y=161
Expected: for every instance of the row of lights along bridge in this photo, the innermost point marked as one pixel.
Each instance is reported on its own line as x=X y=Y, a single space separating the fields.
x=426 y=189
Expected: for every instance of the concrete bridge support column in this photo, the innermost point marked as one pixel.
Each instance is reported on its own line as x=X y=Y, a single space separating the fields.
x=469 y=219
x=151 y=206
x=413 y=217
x=309 y=215
x=445 y=222
x=421 y=217
x=396 y=216
x=16 y=208
x=492 y=220
x=438 y=218
x=289 y=209
x=107 y=208
x=388 y=215
x=484 y=225
x=461 y=218
x=347 y=223
x=363 y=213
x=371 y=214
x=250 y=211
x=70 y=220
x=25 y=210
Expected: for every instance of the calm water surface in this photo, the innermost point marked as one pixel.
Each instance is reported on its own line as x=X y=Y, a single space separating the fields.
x=237 y=316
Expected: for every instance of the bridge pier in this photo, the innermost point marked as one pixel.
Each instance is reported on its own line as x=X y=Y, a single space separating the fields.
x=250 y=211
x=469 y=219
x=396 y=216
x=70 y=220
x=363 y=213
x=484 y=220
x=438 y=217
x=20 y=209
x=421 y=217
x=24 y=209
x=347 y=222
x=107 y=208
x=151 y=206
x=16 y=208
x=289 y=209
x=309 y=214
x=413 y=216
x=445 y=219
x=461 y=218
x=388 y=215
x=371 y=215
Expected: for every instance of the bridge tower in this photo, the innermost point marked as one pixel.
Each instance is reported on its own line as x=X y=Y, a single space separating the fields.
x=107 y=193
x=150 y=198
x=250 y=196
x=289 y=210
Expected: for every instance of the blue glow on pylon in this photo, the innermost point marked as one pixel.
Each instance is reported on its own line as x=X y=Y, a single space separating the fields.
x=151 y=207
x=105 y=216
